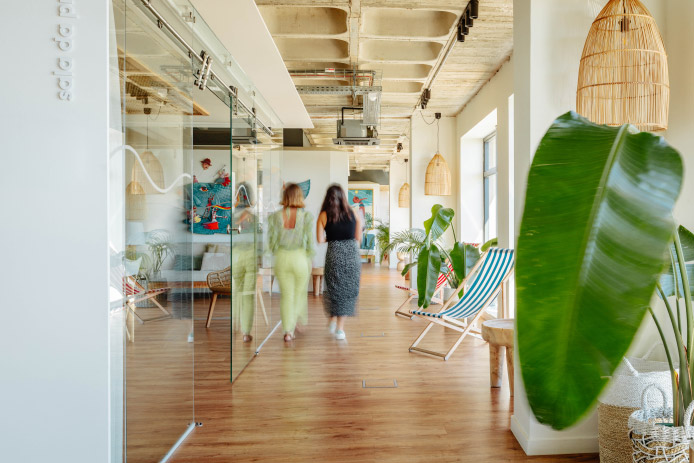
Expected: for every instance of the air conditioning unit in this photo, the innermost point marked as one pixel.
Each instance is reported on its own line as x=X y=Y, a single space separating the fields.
x=354 y=132
x=244 y=136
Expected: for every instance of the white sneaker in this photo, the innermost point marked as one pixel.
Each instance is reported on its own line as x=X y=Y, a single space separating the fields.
x=340 y=335
x=332 y=327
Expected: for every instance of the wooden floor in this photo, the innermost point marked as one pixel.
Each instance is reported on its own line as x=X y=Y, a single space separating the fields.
x=305 y=401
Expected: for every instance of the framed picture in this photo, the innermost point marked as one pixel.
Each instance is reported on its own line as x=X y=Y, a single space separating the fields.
x=362 y=202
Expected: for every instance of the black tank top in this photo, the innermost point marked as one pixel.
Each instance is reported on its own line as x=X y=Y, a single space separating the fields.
x=341 y=231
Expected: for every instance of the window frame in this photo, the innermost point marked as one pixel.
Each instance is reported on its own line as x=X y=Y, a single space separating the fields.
x=487 y=173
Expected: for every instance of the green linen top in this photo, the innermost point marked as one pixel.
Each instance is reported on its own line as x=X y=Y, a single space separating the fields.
x=289 y=239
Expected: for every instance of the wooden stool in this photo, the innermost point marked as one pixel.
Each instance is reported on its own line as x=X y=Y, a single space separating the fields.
x=499 y=334
x=317 y=274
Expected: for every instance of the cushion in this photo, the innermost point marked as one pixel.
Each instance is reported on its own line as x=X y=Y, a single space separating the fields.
x=215 y=261
x=183 y=262
x=223 y=249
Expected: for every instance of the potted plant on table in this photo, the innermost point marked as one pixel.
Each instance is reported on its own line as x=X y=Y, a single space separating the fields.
x=160 y=247
x=595 y=237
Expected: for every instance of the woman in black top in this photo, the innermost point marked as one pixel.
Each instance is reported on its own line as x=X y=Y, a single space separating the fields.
x=341 y=228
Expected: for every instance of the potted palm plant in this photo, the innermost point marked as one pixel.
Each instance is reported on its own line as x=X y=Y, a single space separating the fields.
x=596 y=235
x=431 y=257
x=382 y=239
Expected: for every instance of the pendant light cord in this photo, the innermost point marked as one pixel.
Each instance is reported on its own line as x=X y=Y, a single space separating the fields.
x=438 y=134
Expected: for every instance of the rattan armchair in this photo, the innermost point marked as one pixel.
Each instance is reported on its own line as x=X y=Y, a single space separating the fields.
x=219 y=283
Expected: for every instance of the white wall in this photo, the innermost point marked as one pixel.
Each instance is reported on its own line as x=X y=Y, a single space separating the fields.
x=422 y=149
x=399 y=216
x=679 y=37
x=54 y=394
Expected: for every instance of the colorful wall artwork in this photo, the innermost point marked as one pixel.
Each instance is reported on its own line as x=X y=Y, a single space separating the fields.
x=362 y=202
x=209 y=207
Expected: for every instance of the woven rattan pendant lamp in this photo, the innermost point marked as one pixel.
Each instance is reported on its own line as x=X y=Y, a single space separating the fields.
x=437 y=181
x=623 y=77
x=152 y=166
x=404 y=194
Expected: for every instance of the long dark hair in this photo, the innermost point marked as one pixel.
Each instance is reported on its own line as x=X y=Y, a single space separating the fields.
x=335 y=205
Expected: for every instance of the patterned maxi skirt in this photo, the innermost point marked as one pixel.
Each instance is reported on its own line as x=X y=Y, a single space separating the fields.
x=342 y=273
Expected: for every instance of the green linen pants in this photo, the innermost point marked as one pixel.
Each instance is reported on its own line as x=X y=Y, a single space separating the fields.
x=292 y=269
x=244 y=273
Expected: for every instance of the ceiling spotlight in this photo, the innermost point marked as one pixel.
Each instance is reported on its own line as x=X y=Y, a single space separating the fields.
x=461 y=35
x=468 y=21
x=474 y=7
x=424 y=99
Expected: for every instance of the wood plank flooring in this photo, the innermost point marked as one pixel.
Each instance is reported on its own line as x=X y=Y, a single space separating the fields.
x=304 y=402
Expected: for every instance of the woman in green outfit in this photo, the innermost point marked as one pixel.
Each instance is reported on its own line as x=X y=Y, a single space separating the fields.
x=243 y=262
x=291 y=242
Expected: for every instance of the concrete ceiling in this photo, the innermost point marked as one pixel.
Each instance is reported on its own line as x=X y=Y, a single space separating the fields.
x=405 y=41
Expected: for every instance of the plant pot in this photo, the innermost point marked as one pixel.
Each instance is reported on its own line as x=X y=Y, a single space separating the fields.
x=448 y=293
x=652 y=440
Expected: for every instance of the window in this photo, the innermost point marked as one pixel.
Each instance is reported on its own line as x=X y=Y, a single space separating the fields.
x=490 y=204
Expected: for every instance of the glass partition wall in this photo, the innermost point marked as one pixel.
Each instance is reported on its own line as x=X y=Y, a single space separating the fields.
x=195 y=179
x=158 y=107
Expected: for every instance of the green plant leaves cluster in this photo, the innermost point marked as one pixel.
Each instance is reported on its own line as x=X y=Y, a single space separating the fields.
x=593 y=242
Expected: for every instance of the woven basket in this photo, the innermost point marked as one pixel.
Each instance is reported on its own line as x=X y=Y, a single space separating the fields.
x=620 y=400
x=651 y=441
x=613 y=433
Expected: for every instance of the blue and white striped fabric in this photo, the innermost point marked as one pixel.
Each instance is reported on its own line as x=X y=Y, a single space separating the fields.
x=497 y=264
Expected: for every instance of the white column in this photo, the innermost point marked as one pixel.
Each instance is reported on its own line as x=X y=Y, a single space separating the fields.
x=54 y=281
x=399 y=216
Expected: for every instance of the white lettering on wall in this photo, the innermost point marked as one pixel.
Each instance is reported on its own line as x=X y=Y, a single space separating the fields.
x=64 y=41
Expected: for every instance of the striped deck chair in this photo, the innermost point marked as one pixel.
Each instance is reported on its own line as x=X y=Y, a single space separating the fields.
x=412 y=293
x=486 y=281
x=133 y=292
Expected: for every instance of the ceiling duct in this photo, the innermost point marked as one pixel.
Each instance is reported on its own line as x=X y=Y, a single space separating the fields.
x=221 y=137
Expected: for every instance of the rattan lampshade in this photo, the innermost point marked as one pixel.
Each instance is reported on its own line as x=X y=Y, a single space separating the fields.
x=623 y=76
x=437 y=181
x=154 y=169
x=135 y=202
x=404 y=195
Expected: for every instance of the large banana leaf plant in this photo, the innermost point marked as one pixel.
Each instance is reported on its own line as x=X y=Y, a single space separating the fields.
x=594 y=240
x=676 y=281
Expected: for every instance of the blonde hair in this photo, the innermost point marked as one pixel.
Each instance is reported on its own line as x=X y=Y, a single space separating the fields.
x=292 y=196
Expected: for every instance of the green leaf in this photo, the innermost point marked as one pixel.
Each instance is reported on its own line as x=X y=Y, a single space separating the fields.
x=428 y=267
x=687 y=240
x=463 y=258
x=593 y=241
x=492 y=243
x=408 y=267
x=439 y=222
x=668 y=282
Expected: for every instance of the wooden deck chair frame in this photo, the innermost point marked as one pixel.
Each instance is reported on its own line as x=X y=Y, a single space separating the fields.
x=464 y=328
x=437 y=297
x=142 y=296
